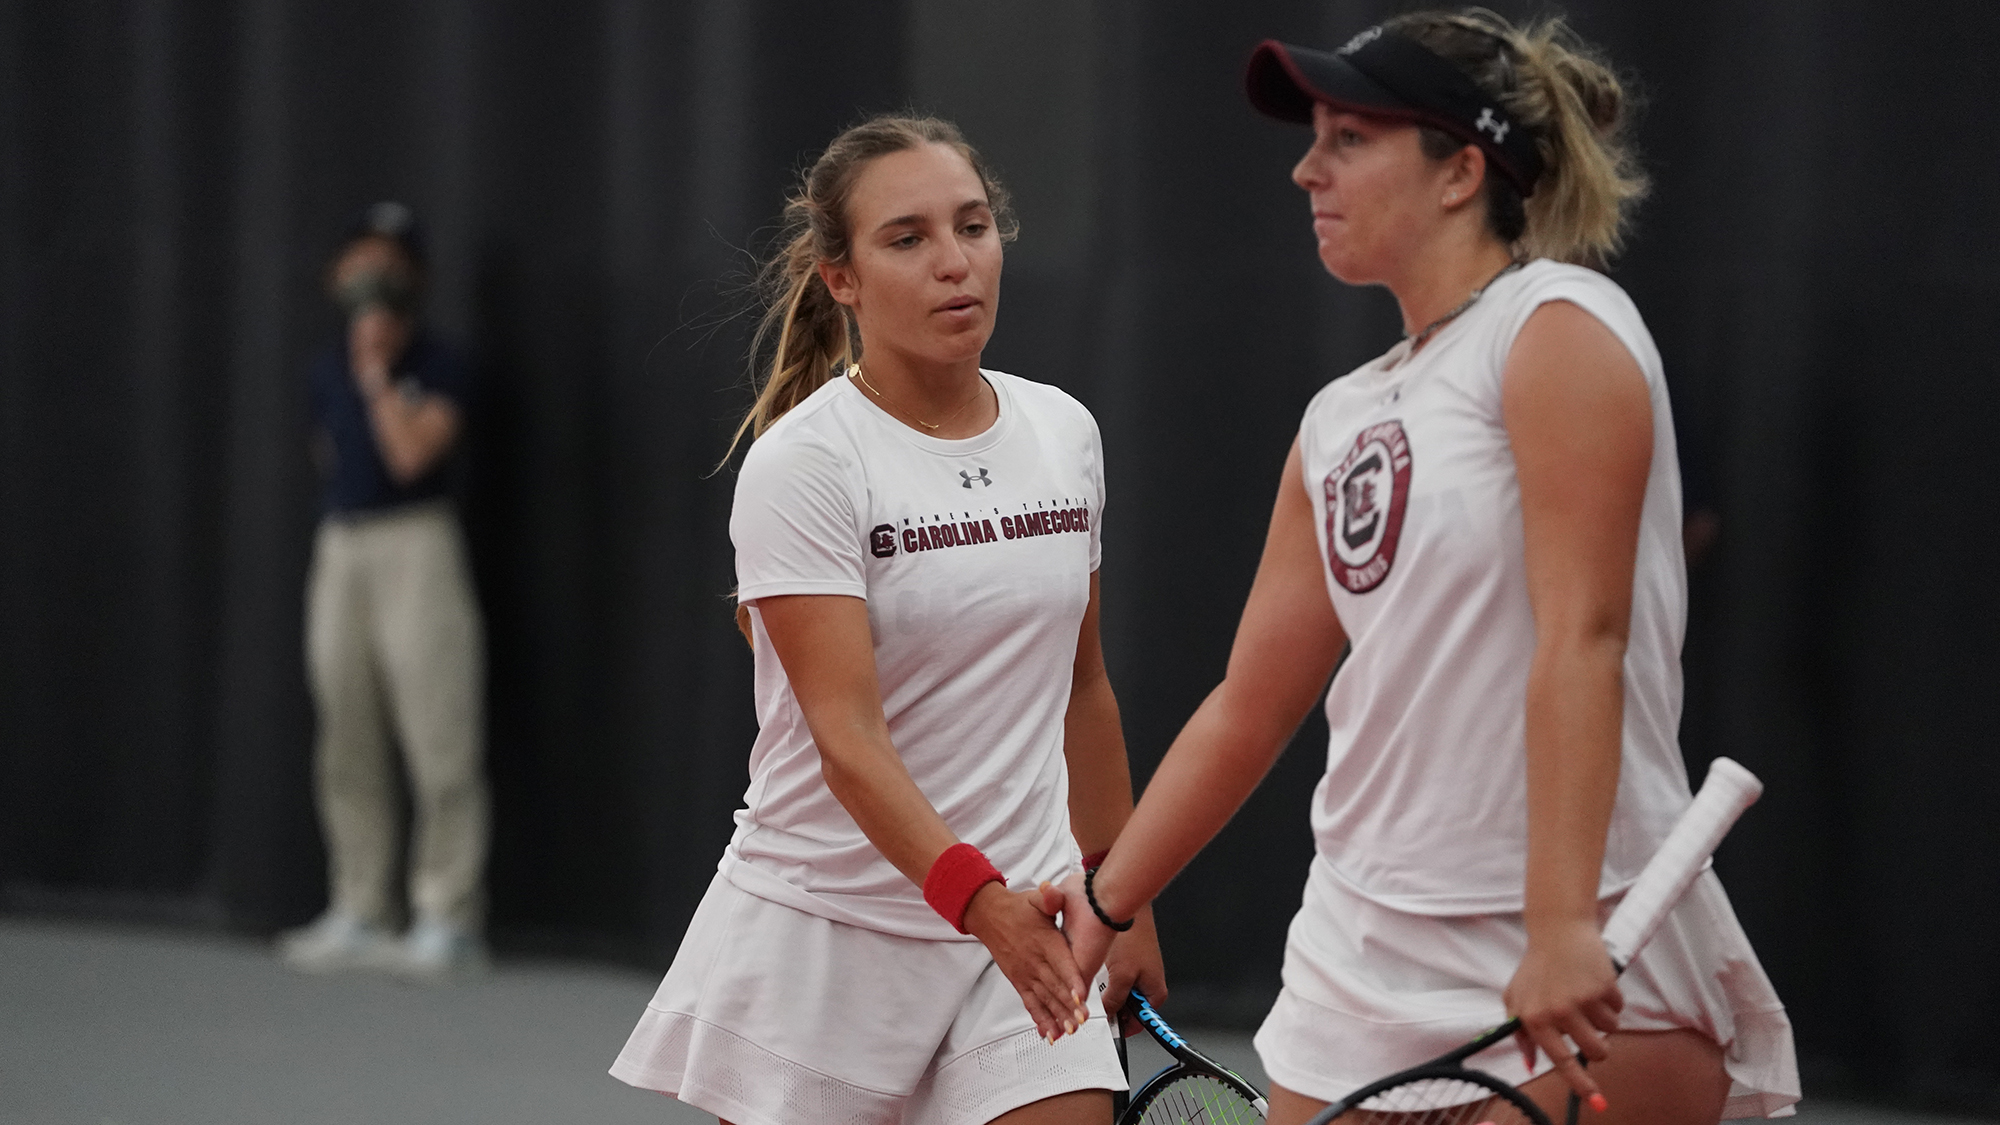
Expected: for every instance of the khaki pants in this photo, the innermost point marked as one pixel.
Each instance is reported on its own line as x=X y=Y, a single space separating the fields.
x=395 y=653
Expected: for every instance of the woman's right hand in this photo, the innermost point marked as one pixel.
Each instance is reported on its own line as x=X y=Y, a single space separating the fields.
x=375 y=337
x=1566 y=985
x=1019 y=930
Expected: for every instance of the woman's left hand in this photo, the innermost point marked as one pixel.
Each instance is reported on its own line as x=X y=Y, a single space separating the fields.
x=1133 y=957
x=1134 y=962
x=1566 y=985
x=1089 y=940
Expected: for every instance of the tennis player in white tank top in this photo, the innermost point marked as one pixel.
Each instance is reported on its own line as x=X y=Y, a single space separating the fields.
x=917 y=545
x=1489 y=514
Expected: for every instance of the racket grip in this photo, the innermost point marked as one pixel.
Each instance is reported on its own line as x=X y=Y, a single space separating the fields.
x=1142 y=1008
x=1725 y=793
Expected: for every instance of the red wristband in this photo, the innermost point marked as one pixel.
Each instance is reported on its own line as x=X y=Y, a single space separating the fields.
x=954 y=878
x=1095 y=859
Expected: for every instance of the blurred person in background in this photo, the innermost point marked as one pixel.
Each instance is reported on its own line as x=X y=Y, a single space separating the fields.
x=394 y=645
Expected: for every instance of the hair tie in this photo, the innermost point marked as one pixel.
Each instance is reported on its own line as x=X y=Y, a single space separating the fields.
x=1090 y=896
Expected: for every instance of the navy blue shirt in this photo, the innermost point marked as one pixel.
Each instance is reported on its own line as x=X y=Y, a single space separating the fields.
x=358 y=479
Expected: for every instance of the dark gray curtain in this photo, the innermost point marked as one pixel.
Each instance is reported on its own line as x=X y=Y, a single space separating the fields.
x=1817 y=263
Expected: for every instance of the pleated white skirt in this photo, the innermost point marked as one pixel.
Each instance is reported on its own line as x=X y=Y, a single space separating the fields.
x=1369 y=991
x=772 y=1016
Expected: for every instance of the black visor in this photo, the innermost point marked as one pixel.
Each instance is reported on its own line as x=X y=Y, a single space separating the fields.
x=1386 y=74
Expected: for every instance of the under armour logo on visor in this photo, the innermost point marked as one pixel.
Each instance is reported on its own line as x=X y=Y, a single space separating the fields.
x=982 y=478
x=1489 y=123
x=1359 y=41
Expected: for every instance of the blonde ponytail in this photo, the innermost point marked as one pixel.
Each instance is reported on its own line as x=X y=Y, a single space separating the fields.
x=1565 y=90
x=814 y=340
x=814 y=335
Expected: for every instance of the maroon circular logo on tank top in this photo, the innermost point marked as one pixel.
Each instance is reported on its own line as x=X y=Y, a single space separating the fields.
x=1365 y=497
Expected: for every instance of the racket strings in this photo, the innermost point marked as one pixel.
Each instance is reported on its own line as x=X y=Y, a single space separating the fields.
x=1435 y=1101
x=1199 y=1100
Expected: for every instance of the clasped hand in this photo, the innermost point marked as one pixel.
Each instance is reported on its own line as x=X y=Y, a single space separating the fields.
x=1050 y=968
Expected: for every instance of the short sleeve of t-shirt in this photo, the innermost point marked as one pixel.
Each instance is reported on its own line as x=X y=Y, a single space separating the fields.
x=428 y=362
x=359 y=480
x=439 y=370
x=795 y=522
x=1096 y=478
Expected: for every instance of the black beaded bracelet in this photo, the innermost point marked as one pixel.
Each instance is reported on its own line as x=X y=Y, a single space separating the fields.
x=1090 y=896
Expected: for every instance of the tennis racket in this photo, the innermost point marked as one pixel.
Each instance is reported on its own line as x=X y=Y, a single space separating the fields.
x=1194 y=1089
x=1444 y=1091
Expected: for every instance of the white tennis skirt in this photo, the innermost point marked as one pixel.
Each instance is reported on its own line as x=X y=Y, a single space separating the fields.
x=1369 y=991
x=772 y=1016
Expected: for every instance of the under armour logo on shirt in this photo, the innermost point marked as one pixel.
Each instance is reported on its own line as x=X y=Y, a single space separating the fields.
x=982 y=478
x=1489 y=123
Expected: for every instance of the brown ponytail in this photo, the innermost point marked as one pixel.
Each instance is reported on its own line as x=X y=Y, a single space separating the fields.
x=1566 y=91
x=814 y=338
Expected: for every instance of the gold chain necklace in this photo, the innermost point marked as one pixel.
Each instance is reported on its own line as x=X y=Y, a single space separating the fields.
x=854 y=371
x=1417 y=341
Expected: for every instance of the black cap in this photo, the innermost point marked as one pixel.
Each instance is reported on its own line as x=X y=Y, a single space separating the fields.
x=393 y=221
x=1386 y=74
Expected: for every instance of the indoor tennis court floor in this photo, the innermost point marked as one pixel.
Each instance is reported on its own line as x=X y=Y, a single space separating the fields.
x=105 y=1025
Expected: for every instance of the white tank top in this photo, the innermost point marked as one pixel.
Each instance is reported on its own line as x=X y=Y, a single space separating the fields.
x=1424 y=803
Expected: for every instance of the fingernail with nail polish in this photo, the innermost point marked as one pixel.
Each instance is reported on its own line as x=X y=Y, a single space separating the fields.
x=1598 y=1103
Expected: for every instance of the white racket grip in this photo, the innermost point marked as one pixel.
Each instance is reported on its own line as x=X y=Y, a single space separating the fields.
x=1725 y=793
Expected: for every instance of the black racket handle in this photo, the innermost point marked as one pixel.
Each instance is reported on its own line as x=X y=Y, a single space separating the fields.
x=1123 y=1098
x=1575 y=1104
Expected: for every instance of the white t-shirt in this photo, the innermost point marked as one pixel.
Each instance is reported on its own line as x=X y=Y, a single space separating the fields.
x=1409 y=466
x=975 y=558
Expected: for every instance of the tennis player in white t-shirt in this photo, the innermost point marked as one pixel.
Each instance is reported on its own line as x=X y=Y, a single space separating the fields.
x=917 y=545
x=1489 y=514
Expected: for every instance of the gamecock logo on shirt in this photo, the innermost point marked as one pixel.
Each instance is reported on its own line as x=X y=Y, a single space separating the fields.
x=882 y=541
x=1365 y=496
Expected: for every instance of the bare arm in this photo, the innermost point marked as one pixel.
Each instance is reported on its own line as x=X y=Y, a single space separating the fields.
x=828 y=654
x=413 y=432
x=1580 y=420
x=1100 y=801
x=1286 y=646
x=1100 y=781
